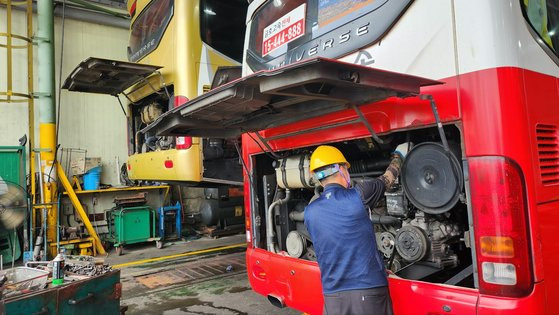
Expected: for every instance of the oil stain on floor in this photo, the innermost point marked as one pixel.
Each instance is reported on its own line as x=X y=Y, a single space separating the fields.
x=227 y=295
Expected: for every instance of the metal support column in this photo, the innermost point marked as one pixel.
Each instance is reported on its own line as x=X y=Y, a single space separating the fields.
x=47 y=111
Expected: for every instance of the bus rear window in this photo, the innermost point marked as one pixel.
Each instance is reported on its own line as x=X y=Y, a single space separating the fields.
x=222 y=26
x=543 y=16
x=283 y=32
x=148 y=28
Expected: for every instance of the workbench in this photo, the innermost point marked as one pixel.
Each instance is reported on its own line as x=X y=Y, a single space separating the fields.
x=94 y=295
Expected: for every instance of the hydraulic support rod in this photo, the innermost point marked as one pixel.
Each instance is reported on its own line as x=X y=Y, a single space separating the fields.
x=79 y=208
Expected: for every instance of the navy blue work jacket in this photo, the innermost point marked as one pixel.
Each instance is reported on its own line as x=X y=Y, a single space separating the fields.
x=344 y=239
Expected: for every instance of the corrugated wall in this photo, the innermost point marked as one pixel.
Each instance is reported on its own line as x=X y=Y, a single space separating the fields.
x=87 y=121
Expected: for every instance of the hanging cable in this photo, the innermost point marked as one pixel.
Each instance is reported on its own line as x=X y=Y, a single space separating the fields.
x=239 y=152
x=269 y=152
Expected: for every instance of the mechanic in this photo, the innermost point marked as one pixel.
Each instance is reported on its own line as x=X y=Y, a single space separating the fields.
x=354 y=280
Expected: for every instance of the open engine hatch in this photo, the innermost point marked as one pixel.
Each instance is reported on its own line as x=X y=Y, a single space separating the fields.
x=285 y=95
x=104 y=76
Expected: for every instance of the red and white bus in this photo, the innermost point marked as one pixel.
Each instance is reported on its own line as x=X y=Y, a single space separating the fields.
x=469 y=228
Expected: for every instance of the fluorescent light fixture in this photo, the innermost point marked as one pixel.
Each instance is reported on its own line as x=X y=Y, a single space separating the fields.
x=209 y=11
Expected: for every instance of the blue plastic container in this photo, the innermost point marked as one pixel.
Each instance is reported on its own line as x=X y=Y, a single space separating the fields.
x=91 y=179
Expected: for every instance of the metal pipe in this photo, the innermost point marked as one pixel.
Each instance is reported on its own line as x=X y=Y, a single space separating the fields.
x=44 y=211
x=88 y=16
x=30 y=118
x=9 y=49
x=297 y=216
x=37 y=246
x=36 y=263
x=58 y=223
x=270 y=234
x=47 y=112
x=93 y=17
x=45 y=38
x=101 y=9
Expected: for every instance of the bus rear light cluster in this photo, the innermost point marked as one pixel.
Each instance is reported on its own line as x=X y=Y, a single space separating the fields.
x=498 y=273
x=501 y=227
x=497 y=246
x=182 y=143
x=249 y=238
x=248 y=234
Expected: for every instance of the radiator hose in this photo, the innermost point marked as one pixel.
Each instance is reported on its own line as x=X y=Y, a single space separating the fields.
x=385 y=219
x=270 y=234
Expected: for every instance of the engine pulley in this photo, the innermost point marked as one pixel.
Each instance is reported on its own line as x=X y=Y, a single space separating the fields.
x=432 y=178
x=411 y=243
x=386 y=243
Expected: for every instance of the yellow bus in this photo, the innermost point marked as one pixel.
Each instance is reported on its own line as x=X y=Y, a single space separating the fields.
x=174 y=52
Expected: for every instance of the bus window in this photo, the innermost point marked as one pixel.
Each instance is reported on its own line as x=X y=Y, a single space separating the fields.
x=282 y=32
x=146 y=32
x=222 y=26
x=543 y=16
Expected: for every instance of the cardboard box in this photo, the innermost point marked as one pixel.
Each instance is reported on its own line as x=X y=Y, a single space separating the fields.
x=82 y=165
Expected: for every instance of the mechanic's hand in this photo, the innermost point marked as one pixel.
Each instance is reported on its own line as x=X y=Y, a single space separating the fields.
x=403 y=149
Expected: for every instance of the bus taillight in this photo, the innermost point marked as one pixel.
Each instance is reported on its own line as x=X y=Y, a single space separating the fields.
x=133 y=9
x=501 y=227
x=182 y=143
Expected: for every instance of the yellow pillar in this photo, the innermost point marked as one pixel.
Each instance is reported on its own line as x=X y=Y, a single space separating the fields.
x=47 y=144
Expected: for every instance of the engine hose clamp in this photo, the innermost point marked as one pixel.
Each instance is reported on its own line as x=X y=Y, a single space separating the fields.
x=284 y=173
x=302 y=171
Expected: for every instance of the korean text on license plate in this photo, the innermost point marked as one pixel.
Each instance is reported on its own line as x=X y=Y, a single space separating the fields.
x=284 y=30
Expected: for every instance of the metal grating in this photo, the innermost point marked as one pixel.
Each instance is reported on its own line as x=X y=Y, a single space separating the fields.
x=548 y=153
x=195 y=271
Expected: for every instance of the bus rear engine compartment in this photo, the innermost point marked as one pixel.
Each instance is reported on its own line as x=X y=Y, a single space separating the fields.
x=421 y=222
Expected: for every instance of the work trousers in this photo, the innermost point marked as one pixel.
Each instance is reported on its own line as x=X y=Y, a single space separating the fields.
x=359 y=302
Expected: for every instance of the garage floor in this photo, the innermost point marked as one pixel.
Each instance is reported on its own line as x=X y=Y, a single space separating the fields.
x=187 y=278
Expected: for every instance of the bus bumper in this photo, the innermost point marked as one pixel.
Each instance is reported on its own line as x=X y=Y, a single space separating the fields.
x=167 y=165
x=296 y=284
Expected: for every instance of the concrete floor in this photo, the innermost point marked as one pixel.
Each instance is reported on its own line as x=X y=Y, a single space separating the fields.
x=153 y=287
x=139 y=252
x=229 y=295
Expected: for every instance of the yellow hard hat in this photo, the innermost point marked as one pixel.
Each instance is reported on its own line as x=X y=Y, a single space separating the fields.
x=326 y=155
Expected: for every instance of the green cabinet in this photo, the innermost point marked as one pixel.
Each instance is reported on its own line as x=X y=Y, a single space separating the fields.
x=12 y=169
x=134 y=225
x=131 y=225
x=12 y=164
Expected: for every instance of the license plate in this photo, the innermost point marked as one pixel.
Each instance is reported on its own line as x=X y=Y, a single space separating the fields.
x=284 y=30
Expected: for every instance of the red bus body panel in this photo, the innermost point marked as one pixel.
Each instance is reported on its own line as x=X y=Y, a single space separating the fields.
x=497 y=111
